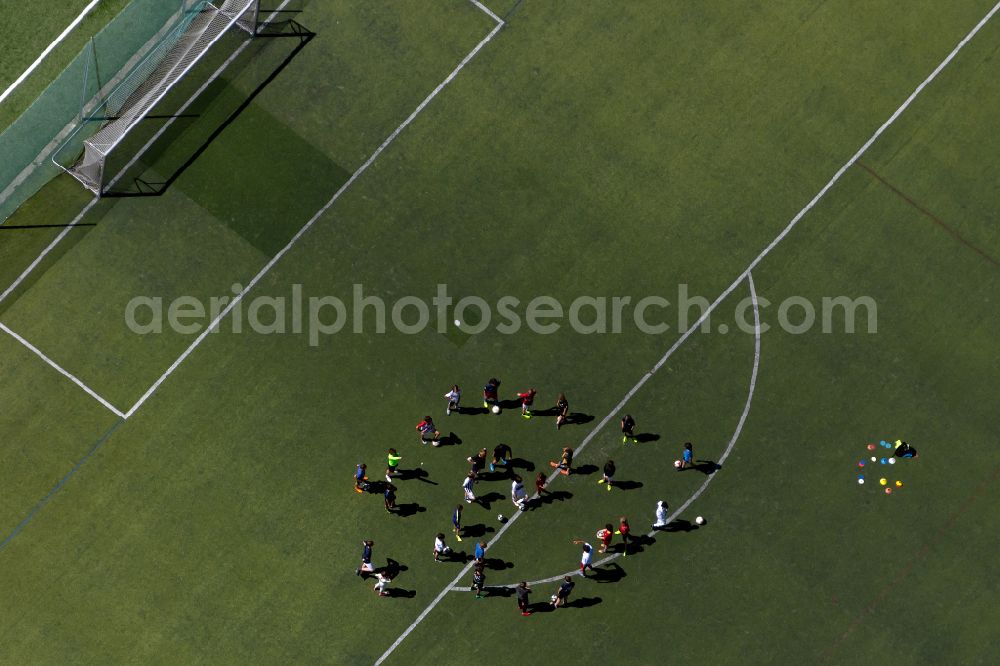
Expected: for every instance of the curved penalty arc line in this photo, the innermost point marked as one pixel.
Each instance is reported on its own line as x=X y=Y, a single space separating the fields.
x=701 y=489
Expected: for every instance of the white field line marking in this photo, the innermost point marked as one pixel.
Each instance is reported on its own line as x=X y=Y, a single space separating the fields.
x=308 y=225
x=62 y=234
x=92 y=202
x=488 y=12
x=742 y=276
x=48 y=49
x=60 y=370
x=708 y=480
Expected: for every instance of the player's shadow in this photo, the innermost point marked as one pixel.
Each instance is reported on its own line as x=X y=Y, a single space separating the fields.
x=678 y=525
x=486 y=500
x=609 y=573
x=645 y=437
x=636 y=544
x=549 y=498
x=400 y=592
x=577 y=418
x=376 y=487
x=496 y=564
x=521 y=463
x=418 y=473
x=706 y=467
x=584 y=470
x=455 y=556
x=582 y=602
x=627 y=485
x=451 y=439
x=472 y=411
x=498 y=591
x=392 y=568
x=410 y=509
x=541 y=607
x=510 y=404
x=475 y=531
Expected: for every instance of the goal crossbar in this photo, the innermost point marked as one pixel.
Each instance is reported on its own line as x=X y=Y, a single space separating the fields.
x=153 y=78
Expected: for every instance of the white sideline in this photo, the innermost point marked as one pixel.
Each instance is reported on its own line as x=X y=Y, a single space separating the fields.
x=742 y=276
x=61 y=371
x=308 y=225
x=487 y=11
x=722 y=459
x=142 y=151
x=48 y=49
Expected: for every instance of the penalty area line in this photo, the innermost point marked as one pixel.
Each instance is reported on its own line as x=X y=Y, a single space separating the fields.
x=62 y=371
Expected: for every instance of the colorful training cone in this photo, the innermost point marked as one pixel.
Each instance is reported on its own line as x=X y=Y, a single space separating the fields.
x=883 y=481
x=888 y=491
x=871 y=447
x=861 y=463
x=899 y=484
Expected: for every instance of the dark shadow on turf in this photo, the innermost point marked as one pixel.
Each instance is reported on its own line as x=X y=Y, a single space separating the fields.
x=419 y=474
x=678 y=525
x=400 y=592
x=584 y=470
x=510 y=404
x=497 y=564
x=644 y=437
x=627 y=485
x=498 y=591
x=451 y=439
x=609 y=573
x=582 y=602
x=407 y=510
x=706 y=467
x=475 y=531
x=549 y=498
x=521 y=463
x=472 y=411
x=577 y=418
x=486 y=500
x=392 y=567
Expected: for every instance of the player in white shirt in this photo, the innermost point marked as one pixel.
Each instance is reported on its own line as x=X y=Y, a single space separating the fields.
x=440 y=549
x=517 y=493
x=454 y=396
x=661 y=515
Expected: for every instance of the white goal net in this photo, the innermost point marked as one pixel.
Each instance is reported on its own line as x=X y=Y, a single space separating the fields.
x=152 y=78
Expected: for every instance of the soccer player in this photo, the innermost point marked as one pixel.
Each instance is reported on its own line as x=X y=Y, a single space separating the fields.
x=522 y=598
x=470 y=479
x=501 y=456
x=562 y=406
x=440 y=548
x=904 y=450
x=366 y=558
x=454 y=396
x=605 y=536
x=428 y=433
x=562 y=594
x=490 y=391
x=661 y=515
x=565 y=464
x=481 y=552
x=628 y=429
x=383 y=582
x=517 y=493
x=478 y=580
x=390 y=497
x=609 y=474
x=588 y=551
x=626 y=531
x=392 y=463
x=478 y=461
x=456 y=521
x=540 y=485
x=527 y=399
x=360 y=477
x=687 y=457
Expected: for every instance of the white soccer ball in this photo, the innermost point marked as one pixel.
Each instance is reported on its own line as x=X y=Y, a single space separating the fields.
x=501 y=517
x=677 y=464
x=458 y=323
x=496 y=409
x=699 y=520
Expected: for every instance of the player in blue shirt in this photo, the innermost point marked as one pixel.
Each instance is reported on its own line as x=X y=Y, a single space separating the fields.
x=456 y=521
x=687 y=458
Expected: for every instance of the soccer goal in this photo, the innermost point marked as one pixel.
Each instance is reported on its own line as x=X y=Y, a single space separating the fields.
x=94 y=150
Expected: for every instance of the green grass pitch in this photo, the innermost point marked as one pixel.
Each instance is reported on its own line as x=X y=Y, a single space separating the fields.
x=586 y=149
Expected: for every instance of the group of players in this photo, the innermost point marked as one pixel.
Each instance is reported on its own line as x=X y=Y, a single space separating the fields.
x=501 y=457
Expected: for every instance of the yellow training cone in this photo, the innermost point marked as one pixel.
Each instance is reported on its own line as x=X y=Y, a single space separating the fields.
x=899 y=484
x=883 y=481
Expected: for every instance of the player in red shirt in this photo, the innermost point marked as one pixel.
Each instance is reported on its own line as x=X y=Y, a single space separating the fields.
x=605 y=536
x=626 y=532
x=527 y=399
x=428 y=432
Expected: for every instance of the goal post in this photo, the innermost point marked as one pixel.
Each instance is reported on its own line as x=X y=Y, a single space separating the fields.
x=99 y=134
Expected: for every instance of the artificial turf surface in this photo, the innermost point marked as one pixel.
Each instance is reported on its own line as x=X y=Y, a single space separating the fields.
x=589 y=149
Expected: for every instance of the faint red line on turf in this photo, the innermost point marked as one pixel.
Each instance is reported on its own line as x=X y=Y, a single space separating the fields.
x=934 y=218
x=949 y=523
